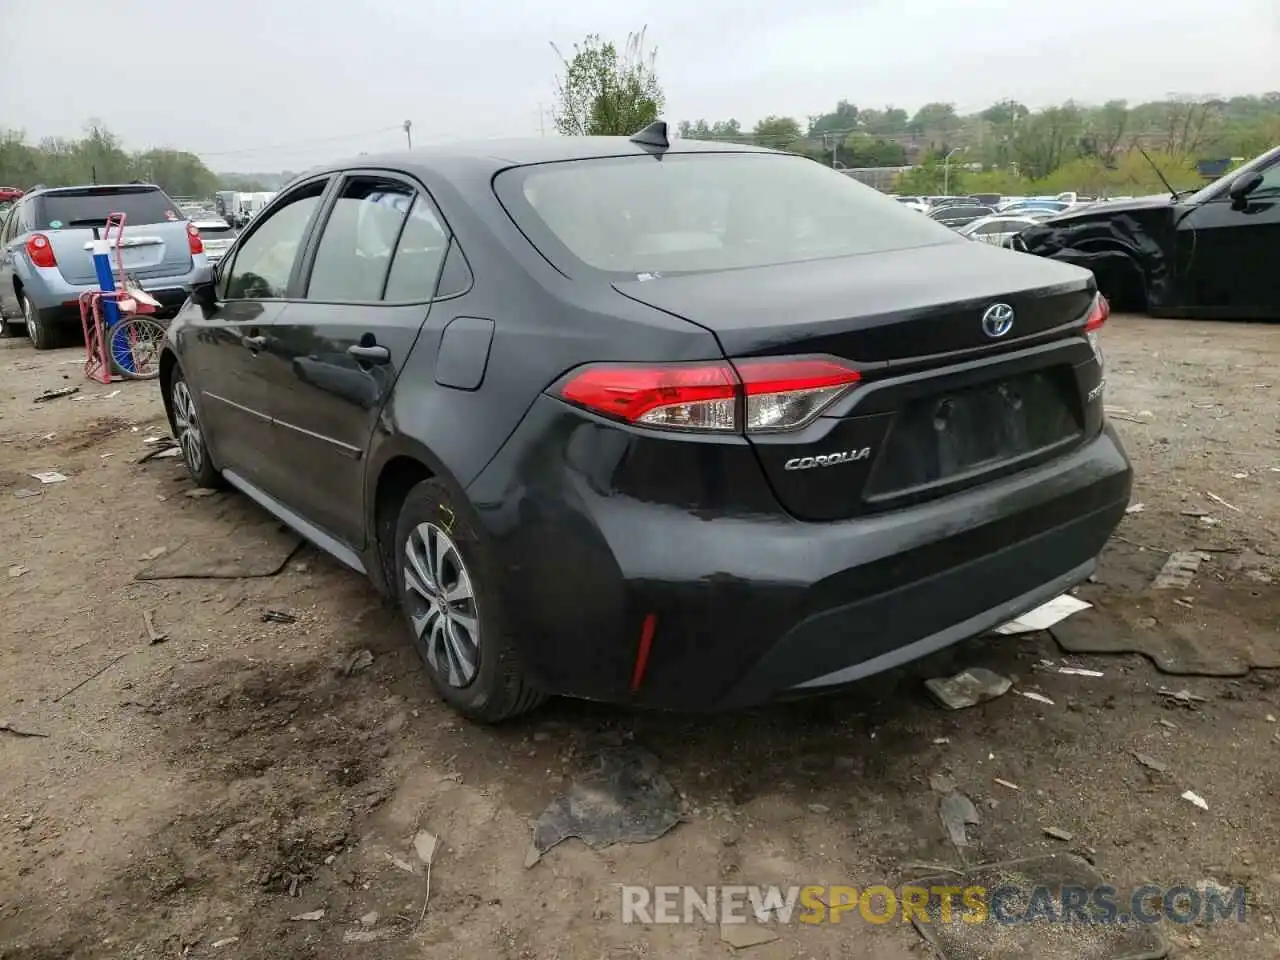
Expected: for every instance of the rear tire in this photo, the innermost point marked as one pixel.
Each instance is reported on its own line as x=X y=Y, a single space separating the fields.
x=42 y=334
x=455 y=615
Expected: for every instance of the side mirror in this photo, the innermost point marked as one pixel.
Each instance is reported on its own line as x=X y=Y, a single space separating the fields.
x=204 y=288
x=1244 y=185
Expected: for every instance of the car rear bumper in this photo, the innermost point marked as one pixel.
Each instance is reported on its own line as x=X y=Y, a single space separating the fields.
x=58 y=299
x=749 y=605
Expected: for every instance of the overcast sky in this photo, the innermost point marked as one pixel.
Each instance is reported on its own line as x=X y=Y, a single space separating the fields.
x=266 y=84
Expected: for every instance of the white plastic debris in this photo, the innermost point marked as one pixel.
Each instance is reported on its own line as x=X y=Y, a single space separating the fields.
x=1192 y=797
x=1032 y=695
x=49 y=476
x=1045 y=616
x=1080 y=672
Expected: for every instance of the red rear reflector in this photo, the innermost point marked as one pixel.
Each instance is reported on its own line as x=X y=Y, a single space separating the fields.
x=40 y=251
x=193 y=239
x=1098 y=314
x=642 y=652
x=752 y=394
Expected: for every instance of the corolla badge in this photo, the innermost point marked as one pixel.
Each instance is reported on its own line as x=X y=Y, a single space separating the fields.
x=998 y=320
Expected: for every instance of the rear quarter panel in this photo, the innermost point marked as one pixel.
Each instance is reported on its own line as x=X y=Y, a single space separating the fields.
x=544 y=325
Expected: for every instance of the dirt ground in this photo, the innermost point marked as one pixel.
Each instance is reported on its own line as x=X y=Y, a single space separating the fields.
x=194 y=795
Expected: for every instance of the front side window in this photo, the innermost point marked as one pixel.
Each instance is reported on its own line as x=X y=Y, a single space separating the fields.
x=265 y=260
x=358 y=241
x=682 y=213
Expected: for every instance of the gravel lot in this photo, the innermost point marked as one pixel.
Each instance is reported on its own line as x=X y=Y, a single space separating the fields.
x=196 y=794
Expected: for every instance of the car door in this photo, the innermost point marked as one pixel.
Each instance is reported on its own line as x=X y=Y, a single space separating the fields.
x=363 y=295
x=9 y=306
x=223 y=348
x=1229 y=251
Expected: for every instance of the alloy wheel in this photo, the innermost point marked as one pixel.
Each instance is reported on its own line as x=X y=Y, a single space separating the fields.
x=187 y=425
x=441 y=605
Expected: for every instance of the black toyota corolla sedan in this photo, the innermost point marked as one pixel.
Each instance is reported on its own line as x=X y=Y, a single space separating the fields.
x=677 y=424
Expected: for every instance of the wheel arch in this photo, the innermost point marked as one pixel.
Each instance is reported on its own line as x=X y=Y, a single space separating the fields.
x=168 y=363
x=399 y=464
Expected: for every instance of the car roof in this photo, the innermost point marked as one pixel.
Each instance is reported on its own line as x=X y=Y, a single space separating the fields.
x=480 y=156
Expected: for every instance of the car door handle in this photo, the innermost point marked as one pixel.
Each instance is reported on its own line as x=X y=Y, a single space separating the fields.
x=254 y=343
x=371 y=354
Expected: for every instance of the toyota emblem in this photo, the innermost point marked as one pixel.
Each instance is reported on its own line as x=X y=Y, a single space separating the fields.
x=998 y=320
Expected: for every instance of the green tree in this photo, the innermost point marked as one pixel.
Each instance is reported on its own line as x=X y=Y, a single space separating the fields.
x=935 y=120
x=889 y=122
x=840 y=121
x=727 y=130
x=606 y=93
x=861 y=150
x=780 y=133
x=99 y=157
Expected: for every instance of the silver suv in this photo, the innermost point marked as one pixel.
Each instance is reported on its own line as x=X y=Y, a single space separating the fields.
x=46 y=254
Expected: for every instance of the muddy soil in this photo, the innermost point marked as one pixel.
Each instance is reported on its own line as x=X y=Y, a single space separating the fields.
x=194 y=795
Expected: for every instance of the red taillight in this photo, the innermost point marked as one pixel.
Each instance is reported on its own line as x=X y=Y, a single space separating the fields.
x=750 y=395
x=40 y=251
x=193 y=239
x=1098 y=314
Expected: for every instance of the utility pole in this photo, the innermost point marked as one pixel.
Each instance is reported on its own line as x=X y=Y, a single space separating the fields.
x=408 y=132
x=946 y=171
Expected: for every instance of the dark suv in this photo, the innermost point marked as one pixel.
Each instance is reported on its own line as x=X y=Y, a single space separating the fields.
x=683 y=425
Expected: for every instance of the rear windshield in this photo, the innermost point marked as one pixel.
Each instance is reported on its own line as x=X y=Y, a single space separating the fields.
x=90 y=207
x=684 y=213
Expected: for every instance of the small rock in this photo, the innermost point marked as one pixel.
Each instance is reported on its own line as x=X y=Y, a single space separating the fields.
x=26 y=823
x=200 y=492
x=310 y=916
x=225 y=942
x=749 y=934
x=17 y=570
x=968 y=688
x=1150 y=763
x=819 y=808
x=941 y=783
x=1059 y=834
x=370 y=918
x=362 y=660
x=154 y=553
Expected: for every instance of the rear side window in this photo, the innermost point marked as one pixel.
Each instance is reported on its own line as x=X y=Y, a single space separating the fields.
x=683 y=213
x=90 y=207
x=419 y=254
x=359 y=239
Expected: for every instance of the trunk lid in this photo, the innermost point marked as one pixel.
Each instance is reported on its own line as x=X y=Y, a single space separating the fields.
x=153 y=244
x=876 y=308
x=944 y=404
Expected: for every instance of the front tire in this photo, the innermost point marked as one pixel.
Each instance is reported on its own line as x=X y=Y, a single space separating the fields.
x=188 y=430
x=446 y=580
